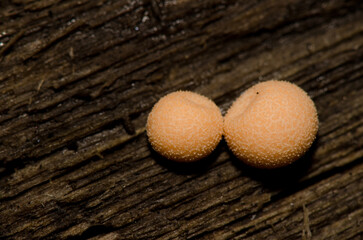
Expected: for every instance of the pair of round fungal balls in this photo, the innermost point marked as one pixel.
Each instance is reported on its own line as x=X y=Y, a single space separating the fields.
x=270 y=125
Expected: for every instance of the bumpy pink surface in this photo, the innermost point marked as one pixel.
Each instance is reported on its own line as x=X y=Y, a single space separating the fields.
x=271 y=125
x=184 y=126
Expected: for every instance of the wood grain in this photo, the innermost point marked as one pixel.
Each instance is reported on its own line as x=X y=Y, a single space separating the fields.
x=78 y=79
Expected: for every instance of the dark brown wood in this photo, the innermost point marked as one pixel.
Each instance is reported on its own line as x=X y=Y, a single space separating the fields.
x=78 y=78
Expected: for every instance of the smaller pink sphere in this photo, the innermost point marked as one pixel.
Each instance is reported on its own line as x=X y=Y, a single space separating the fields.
x=184 y=126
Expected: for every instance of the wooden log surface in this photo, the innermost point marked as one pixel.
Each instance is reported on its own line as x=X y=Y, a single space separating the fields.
x=78 y=78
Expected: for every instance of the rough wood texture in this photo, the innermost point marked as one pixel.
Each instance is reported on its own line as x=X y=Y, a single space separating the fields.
x=78 y=78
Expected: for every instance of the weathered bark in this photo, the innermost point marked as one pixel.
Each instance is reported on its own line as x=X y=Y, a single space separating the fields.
x=78 y=79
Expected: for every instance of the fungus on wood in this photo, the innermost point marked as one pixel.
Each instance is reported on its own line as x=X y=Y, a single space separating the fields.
x=72 y=80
